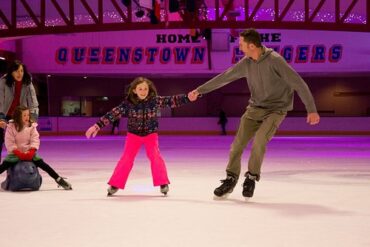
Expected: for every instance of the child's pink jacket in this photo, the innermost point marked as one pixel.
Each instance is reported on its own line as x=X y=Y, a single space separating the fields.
x=24 y=140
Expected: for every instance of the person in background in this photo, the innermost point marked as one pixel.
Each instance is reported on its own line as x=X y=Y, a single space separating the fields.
x=115 y=125
x=222 y=120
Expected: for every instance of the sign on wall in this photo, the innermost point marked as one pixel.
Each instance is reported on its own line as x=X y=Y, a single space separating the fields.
x=175 y=51
x=313 y=51
x=117 y=52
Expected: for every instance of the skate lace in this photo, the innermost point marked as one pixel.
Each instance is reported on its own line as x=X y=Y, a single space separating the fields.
x=226 y=182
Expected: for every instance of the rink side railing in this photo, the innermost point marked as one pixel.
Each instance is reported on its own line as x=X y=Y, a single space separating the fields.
x=209 y=126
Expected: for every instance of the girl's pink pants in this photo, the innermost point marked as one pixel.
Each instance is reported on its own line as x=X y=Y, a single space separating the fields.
x=131 y=148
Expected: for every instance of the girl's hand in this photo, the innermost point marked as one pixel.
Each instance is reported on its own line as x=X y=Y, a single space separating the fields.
x=193 y=95
x=29 y=154
x=92 y=131
x=19 y=154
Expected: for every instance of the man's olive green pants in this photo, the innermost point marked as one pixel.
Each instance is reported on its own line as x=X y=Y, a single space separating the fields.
x=261 y=125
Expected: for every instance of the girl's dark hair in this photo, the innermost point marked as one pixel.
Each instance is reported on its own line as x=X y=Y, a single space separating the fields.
x=132 y=97
x=251 y=36
x=14 y=66
x=17 y=117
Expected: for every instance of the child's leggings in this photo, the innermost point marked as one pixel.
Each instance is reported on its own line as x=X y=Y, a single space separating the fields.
x=39 y=163
x=131 y=148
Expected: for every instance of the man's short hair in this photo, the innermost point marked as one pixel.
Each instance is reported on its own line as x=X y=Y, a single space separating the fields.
x=251 y=36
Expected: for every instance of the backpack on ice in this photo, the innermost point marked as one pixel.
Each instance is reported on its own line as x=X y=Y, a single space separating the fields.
x=22 y=176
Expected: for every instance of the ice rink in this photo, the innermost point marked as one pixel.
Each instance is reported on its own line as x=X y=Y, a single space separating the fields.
x=314 y=191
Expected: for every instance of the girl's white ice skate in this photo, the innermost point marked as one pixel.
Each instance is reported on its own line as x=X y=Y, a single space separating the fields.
x=164 y=189
x=111 y=190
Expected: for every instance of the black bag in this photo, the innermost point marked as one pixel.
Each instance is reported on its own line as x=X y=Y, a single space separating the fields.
x=22 y=176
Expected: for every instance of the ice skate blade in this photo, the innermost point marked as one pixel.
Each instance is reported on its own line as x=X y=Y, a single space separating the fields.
x=110 y=194
x=112 y=190
x=220 y=198
x=247 y=196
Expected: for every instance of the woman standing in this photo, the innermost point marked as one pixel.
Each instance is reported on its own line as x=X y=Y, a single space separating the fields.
x=16 y=89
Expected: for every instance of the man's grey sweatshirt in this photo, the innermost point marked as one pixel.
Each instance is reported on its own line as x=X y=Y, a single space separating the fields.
x=270 y=79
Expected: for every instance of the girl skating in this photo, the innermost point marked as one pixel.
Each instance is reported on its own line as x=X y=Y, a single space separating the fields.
x=140 y=107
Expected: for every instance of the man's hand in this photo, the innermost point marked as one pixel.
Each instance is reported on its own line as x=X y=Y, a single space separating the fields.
x=193 y=95
x=313 y=118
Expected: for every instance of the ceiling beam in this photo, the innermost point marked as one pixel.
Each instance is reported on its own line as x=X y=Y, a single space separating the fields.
x=67 y=13
x=30 y=12
x=61 y=12
x=318 y=7
x=90 y=11
x=285 y=10
x=348 y=11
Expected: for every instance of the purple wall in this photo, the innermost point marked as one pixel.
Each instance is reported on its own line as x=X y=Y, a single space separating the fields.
x=338 y=88
x=199 y=125
x=334 y=96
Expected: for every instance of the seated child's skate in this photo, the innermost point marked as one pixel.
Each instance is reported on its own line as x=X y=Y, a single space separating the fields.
x=63 y=183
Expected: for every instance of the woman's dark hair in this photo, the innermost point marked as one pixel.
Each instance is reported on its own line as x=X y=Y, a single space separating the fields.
x=132 y=97
x=17 y=117
x=251 y=36
x=14 y=66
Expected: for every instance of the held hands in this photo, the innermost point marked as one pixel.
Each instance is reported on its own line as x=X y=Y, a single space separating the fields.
x=193 y=95
x=92 y=131
x=313 y=118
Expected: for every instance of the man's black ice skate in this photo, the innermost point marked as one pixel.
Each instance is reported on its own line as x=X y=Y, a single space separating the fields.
x=164 y=189
x=63 y=183
x=111 y=190
x=249 y=185
x=226 y=187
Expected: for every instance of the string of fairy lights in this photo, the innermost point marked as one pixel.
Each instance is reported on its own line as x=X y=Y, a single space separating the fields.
x=267 y=14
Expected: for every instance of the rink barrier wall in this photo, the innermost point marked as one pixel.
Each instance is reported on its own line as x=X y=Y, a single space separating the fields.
x=209 y=126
